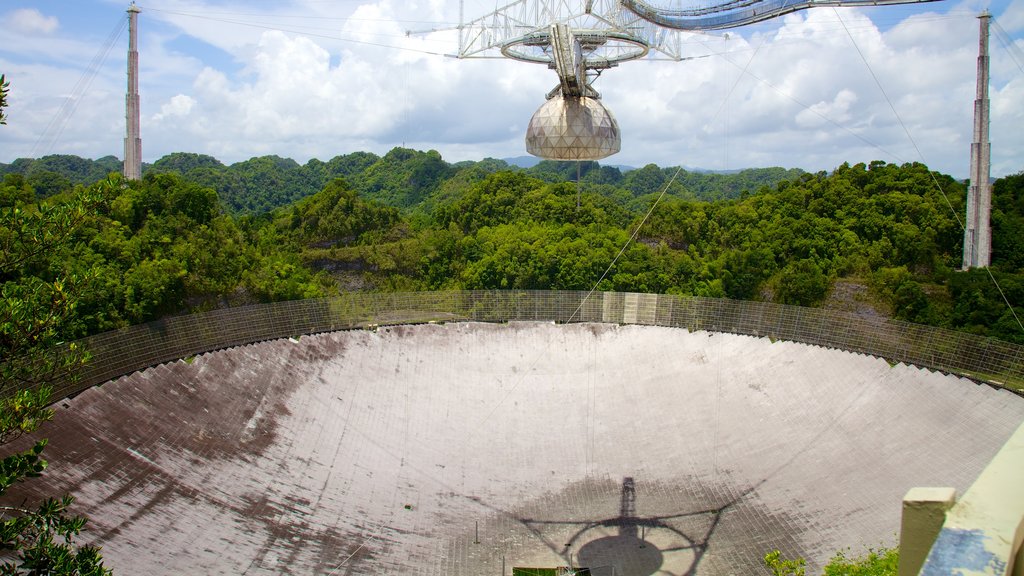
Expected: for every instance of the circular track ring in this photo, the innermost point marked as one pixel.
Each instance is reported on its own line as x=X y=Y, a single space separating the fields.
x=616 y=47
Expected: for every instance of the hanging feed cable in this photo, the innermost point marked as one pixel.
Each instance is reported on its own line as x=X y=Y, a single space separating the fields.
x=304 y=31
x=1014 y=51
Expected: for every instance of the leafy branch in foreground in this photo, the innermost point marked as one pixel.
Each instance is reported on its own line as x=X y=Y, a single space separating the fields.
x=37 y=313
x=40 y=541
x=782 y=567
x=881 y=562
x=42 y=538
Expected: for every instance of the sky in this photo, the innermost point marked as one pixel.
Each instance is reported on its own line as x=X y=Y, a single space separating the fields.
x=305 y=79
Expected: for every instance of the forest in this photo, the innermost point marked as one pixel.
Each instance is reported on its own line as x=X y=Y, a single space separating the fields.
x=195 y=234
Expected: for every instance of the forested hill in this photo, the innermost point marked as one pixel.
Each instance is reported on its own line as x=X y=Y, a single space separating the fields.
x=403 y=178
x=52 y=174
x=879 y=238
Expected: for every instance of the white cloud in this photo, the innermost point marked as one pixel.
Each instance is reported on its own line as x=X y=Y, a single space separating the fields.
x=1007 y=118
x=758 y=102
x=28 y=21
x=309 y=79
x=292 y=93
x=822 y=113
x=1012 y=19
x=178 y=106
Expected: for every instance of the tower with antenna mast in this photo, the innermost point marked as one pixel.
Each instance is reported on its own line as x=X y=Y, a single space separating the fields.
x=132 y=140
x=977 y=231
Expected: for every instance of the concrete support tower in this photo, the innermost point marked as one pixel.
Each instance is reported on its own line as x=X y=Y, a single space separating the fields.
x=132 y=140
x=977 y=232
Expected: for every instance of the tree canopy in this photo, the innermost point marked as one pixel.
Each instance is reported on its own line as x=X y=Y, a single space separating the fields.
x=410 y=220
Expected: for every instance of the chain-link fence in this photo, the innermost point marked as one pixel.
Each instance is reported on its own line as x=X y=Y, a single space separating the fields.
x=124 y=351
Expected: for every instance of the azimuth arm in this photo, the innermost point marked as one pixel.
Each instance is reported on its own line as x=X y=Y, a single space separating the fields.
x=738 y=12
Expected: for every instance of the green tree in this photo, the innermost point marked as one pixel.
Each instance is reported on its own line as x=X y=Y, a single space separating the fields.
x=337 y=216
x=745 y=271
x=47 y=182
x=36 y=315
x=1008 y=223
x=402 y=178
x=14 y=190
x=153 y=288
x=782 y=567
x=882 y=562
x=185 y=162
x=802 y=283
x=278 y=277
x=196 y=202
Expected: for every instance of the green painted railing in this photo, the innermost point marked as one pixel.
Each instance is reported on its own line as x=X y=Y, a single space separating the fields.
x=121 y=352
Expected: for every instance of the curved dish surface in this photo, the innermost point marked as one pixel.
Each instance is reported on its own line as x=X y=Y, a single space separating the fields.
x=463 y=448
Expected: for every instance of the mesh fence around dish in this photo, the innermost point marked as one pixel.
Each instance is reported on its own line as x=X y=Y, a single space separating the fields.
x=120 y=352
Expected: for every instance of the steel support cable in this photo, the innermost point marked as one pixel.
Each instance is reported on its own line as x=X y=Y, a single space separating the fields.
x=317 y=17
x=630 y=240
x=592 y=408
x=899 y=119
x=810 y=109
x=930 y=172
x=1011 y=48
x=840 y=126
x=59 y=121
x=783 y=36
x=718 y=405
x=373 y=538
x=1005 y=299
x=299 y=31
x=664 y=191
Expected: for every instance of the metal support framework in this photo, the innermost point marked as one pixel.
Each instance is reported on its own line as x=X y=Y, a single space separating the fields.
x=569 y=63
x=619 y=30
x=613 y=33
x=580 y=39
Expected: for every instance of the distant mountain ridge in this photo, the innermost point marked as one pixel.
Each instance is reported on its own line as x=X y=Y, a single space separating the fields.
x=403 y=178
x=56 y=172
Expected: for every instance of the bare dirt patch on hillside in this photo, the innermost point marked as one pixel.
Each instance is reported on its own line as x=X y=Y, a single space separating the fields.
x=853 y=295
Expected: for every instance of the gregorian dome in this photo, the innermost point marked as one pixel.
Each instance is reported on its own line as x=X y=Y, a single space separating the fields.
x=573 y=128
